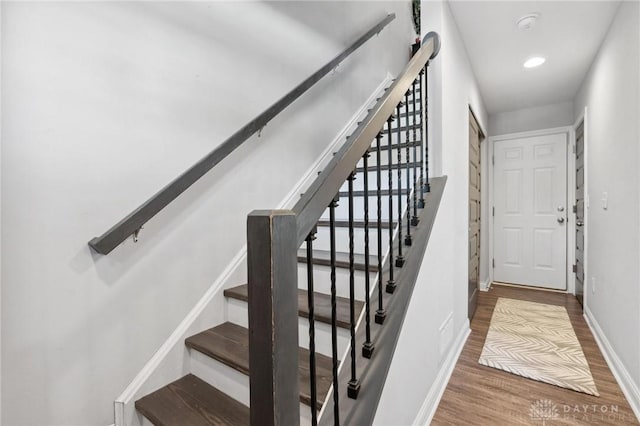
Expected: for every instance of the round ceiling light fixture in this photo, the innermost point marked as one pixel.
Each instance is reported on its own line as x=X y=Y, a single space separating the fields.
x=534 y=61
x=528 y=21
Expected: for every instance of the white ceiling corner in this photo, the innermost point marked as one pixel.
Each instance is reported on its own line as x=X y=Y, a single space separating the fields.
x=568 y=34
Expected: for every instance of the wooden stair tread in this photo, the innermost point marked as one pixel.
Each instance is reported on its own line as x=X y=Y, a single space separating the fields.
x=344 y=223
x=373 y=193
x=323 y=258
x=228 y=343
x=405 y=128
x=403 y=145
x=322 y=305
x=394 y=166
x=190 y=401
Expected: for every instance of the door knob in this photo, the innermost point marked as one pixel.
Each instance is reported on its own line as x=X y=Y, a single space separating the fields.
x=561 y=220
x=579 y=223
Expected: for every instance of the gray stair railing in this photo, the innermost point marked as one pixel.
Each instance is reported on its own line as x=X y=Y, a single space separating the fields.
x=274 y=237
x=133 y=222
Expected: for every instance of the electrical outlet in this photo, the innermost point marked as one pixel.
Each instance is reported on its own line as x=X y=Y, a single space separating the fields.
x=593 y=285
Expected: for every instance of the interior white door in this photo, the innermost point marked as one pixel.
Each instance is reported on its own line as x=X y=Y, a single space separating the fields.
x=530 y=219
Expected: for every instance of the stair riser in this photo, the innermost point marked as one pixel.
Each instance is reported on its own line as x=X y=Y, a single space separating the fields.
x=234 y=383
x=403 y=132
x=323 y=240
x=145 y=422
x=410 y=104
x=403 y=120
x=237 y=313
x=384 y=160
x=358 y=183
x=322 y=280
x=342 y=210
x=394 y=134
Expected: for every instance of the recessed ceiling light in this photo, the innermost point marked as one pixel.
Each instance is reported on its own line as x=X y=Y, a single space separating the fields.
x=528 y=21
x=533 y=62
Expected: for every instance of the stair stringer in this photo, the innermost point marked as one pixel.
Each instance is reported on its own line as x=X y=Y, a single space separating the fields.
x=172 y=360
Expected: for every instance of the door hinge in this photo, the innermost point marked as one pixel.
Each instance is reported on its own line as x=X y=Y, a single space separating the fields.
x=575 y=208
x=493 y=211
x=575 y=268
x=493 y=263
x=493 y=160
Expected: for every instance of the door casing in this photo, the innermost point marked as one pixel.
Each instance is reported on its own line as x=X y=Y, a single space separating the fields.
x=582 y=117
x=474 y=286
x=570 y=134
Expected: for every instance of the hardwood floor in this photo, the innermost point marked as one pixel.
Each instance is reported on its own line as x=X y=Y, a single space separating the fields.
x=479 y=395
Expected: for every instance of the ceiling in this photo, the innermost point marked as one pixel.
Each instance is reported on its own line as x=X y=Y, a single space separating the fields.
x=567 y=33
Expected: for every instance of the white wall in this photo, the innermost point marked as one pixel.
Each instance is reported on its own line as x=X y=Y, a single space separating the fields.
x=611 y=93
x=523 y=120
x=0 y=215
x=105 y=103
x=438 y=309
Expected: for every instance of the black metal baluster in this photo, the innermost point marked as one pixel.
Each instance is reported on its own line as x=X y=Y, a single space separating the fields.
x=422 y=139
x=425 y=115
x=312 y=330
x=381 y=314
x=354 y=386
x=407 y=154
x=334 y=334
x=414 y=219
x=391 y=283
x=367 y=346
x=400 y=258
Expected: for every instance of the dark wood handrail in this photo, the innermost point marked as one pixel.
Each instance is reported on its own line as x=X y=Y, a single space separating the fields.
x=132 y=223
x=315 y=200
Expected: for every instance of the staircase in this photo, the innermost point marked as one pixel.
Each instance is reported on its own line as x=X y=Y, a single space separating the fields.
x=368 y=225
x=200 y=398
x=310 y=337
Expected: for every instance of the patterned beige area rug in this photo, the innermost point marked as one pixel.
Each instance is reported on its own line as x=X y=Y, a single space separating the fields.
x=537 y=341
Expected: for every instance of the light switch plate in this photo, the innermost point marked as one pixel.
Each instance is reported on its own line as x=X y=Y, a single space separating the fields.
x=605 y=200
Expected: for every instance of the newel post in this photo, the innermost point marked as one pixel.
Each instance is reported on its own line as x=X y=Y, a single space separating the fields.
x=273 y=317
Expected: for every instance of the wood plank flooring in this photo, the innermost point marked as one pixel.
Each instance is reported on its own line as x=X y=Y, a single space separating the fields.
x=479 y=395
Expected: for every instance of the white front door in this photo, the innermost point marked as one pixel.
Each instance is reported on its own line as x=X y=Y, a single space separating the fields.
x=530 y=193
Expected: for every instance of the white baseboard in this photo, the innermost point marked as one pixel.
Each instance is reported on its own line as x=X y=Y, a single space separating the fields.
x=624 y=379
x=430 y=404
x=124 y=403
x=485 y=285
x=169 y=355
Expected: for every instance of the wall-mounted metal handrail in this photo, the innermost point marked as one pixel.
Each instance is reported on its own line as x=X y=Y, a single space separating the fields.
x=132 y=223
x=315 y=200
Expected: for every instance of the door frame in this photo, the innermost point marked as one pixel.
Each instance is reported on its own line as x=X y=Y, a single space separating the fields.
x=569 y=132
x=482 y=137
x=484 y=211
x=582 y=117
